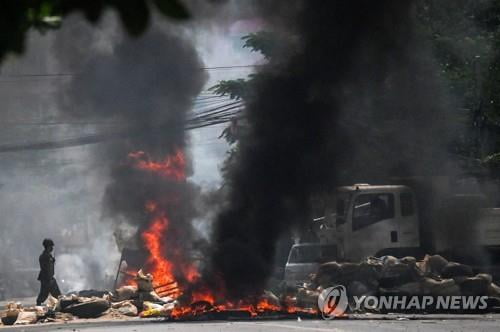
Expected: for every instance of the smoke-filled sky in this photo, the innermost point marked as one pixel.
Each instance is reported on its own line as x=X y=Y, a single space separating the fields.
x=59 y=193
x=356 y=98
x=354 y=87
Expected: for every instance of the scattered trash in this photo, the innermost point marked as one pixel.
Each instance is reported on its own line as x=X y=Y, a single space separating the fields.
x=12 y=310
x=26 y=317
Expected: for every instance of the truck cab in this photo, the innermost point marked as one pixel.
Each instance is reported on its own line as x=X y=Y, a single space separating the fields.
x=372 y=220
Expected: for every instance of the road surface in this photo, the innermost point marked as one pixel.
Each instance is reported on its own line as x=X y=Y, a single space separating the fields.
x=364 y=324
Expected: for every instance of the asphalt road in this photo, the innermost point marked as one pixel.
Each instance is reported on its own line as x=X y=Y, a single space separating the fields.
x=429 y=323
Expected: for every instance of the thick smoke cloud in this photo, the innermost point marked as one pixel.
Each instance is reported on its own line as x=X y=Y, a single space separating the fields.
x=144 y=86
x=356 y=99
x=148 y=85
x=46 y=193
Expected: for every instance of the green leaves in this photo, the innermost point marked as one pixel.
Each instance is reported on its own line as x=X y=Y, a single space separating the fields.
x=17 y=17
x=172 y=8
x=262 y=41
x=236 y=89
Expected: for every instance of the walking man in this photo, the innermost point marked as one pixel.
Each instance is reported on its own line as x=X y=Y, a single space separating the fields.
x=48 y=284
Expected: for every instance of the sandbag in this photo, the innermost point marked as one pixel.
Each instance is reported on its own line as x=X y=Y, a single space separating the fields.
x=67 y=300
x=394 y=273
x=358 y=288
x=92 y=293
x=148 y=296
x=124 y=293
x=411 y=288
x=493 y=290
x=144 y=281
x=369 y=272
x=434 y=264
x=52 y=303
x=26 y=317
x=89 y=309
x=474 y=286
x=338 y=273
x=12 y=311
x=154 y=310
x=409 y=260
x=487 y=277
x=327 y=273
x=165 y=310
x=446 y=287
x=348 y=272
x=452 y=270
x=126 y=308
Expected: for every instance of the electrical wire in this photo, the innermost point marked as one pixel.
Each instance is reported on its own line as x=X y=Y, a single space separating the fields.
x=214 y=116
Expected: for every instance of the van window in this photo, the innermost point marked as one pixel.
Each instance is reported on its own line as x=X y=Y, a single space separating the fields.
x=313 y=254
x=371 y=208
x=407 y=208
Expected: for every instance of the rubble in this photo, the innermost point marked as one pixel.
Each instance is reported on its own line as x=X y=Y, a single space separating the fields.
x=387 y=275
x=126 y=308
x=26 y=317
x=87 y=307
x=11 y=313
x=124 y=293
x=157 y=310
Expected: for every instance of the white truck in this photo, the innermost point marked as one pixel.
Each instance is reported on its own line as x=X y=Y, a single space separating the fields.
x=375 y=220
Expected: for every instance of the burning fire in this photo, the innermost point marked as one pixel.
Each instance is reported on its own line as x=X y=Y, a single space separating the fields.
x=162 y=268
x=183 y=277
x=172 y=167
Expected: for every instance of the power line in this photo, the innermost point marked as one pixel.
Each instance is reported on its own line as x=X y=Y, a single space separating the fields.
x=64 y=75
x=209 y=108
x=37 y=75
x=230 y=67
x=217 y=115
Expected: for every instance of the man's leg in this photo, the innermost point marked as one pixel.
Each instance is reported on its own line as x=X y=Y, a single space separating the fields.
x=44 y=291
x=54 y=288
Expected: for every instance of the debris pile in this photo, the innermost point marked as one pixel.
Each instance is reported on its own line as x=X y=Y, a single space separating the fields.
x=388 y=275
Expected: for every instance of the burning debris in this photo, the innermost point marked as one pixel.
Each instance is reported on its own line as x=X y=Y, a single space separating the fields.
x=173 y=285
x=305 y=97
x=321 y=114
x=145 y=297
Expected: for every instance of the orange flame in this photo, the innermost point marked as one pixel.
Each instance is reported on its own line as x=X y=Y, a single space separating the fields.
x=172 y=167
x=163 y=269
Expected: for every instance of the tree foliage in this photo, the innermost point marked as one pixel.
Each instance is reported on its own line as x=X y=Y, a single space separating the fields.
x=263 y=42
x=19 y=16
x=464 y=36
x=235 y=89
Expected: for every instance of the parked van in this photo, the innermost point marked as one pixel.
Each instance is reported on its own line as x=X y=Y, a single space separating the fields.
x=305 y=258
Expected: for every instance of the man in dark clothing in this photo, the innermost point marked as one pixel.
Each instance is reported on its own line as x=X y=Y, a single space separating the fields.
x=48 y=284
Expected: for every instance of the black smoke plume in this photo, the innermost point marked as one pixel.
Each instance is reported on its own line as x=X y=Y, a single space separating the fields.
x=356 y=99
x=146 y=86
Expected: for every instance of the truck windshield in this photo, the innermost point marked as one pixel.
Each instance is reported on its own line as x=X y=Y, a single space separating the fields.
x=313 y=254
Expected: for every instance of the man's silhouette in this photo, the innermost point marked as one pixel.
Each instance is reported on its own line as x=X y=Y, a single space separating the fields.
x=48 y=284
